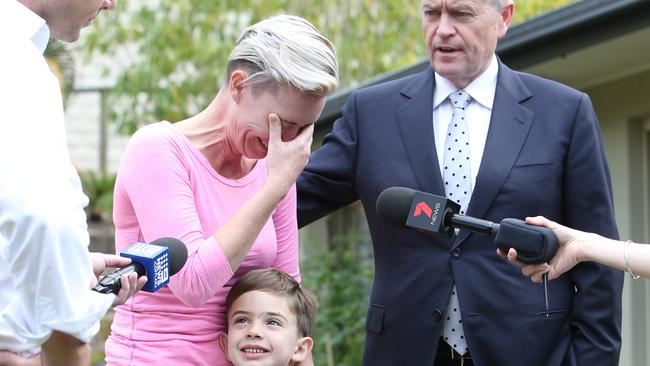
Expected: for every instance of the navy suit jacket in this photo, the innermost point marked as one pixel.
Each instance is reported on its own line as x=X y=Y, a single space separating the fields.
x=543 y=156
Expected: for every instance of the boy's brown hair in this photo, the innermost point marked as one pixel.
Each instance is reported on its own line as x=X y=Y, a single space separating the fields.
x=302 y=302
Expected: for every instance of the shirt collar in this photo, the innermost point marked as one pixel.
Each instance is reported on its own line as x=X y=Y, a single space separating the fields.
x=482 y=89
x=41 y=37
x=23 y=23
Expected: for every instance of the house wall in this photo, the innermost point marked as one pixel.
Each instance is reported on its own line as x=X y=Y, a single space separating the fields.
x=623 y=109
x=84 y=132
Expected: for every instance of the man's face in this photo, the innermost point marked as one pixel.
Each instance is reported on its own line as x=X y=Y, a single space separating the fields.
x=66 y=17
x=262 y=331
x=462 y=35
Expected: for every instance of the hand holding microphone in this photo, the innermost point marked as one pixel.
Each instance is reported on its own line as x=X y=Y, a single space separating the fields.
x=130 y=283
x=571 y=250
x=438 y=215
x=157 y=261
x=402 y=206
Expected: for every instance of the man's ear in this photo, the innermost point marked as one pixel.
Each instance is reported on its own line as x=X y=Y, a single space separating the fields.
x=303 y=349
x=236 y=84
x=223 y=343
x=506 y=17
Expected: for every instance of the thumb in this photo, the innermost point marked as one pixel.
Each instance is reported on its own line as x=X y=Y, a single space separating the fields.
x=275 y=129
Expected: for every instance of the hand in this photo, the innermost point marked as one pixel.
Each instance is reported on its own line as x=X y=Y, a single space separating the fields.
x=285 y=160
x=569 y=252
x=11 y=359
x=130 y=283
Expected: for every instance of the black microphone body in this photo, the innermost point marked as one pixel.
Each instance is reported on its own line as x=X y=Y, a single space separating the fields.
x=111 y=283
x=472 y=224
x=438 y=215
x=162 y=267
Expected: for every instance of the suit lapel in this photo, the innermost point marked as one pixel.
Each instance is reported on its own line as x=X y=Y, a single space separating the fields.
x=416 y=127
x=509 y=126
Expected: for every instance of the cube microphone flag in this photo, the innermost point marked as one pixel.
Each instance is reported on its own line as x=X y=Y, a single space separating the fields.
x=158 y=260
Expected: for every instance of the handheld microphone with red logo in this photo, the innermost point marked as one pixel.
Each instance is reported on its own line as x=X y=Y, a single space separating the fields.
x=402 y=206
x=158 y=260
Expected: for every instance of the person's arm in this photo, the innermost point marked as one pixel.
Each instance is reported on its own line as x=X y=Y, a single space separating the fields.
x=64 y=350
x=575 y=246
x=611 y=253
x=328 y=181
x=284 y=161
x=154 y=182
x=11 y=359
x=286 y=232
x=587 y=204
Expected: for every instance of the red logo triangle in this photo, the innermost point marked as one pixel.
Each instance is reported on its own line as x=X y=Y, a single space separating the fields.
x=422 y=207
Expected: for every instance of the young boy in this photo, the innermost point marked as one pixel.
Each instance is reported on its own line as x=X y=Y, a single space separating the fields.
x=268 y=320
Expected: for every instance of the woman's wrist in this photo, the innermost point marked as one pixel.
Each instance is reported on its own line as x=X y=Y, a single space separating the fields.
x=586 y=245
x=275 y=191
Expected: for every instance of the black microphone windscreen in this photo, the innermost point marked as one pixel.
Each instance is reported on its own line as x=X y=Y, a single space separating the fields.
x=394 y=204
x=177 y=253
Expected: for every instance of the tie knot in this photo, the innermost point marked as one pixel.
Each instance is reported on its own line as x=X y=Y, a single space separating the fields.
x=459 y=99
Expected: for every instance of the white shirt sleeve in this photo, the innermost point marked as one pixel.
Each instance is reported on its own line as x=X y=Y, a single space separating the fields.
x=45 y=268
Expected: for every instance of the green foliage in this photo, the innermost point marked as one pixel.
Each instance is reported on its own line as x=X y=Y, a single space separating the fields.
x=57 y=52
x=341 y=279
x=177 y=49
x=525 y=9
x=99 y=189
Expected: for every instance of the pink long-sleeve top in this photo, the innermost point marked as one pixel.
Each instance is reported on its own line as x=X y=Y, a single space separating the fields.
x=167 y=188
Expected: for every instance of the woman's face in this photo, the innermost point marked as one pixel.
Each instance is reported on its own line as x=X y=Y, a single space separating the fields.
x=250 y=128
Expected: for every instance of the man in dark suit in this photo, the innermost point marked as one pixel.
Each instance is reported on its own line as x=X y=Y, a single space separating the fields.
x=534 y=148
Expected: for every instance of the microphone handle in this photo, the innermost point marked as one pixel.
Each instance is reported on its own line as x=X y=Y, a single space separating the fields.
x=473 y=224
x=534 y=244
x=111 y=284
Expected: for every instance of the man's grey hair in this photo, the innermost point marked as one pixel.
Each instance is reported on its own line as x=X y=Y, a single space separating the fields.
x=286 y=50
x=497 y=4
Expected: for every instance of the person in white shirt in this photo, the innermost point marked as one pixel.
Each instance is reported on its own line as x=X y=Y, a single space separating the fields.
x=46 y=271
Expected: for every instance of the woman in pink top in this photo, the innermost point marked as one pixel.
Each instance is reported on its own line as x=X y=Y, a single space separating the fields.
x=223 y=182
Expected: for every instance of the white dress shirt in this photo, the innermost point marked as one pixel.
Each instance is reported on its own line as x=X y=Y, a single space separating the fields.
x=45 y=269
x=477 y=113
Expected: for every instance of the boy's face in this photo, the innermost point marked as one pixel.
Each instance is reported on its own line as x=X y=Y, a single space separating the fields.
x=263 y=331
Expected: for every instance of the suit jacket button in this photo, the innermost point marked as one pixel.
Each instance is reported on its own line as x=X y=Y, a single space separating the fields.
x=456 y=253
x=437 y=314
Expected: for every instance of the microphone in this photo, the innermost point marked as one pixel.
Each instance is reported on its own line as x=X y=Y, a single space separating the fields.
x=402 y=206
x=158 y=260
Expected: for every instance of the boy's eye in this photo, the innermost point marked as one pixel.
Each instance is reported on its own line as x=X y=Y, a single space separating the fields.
x=273 y=322
x=240 y=320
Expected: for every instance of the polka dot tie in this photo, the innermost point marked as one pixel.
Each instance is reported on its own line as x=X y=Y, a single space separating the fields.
x=456 y=176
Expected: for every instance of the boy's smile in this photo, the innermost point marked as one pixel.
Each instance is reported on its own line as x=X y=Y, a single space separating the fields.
x=261 y=330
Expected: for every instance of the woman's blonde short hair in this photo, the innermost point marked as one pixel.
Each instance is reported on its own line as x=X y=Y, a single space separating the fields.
x=286 y=50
